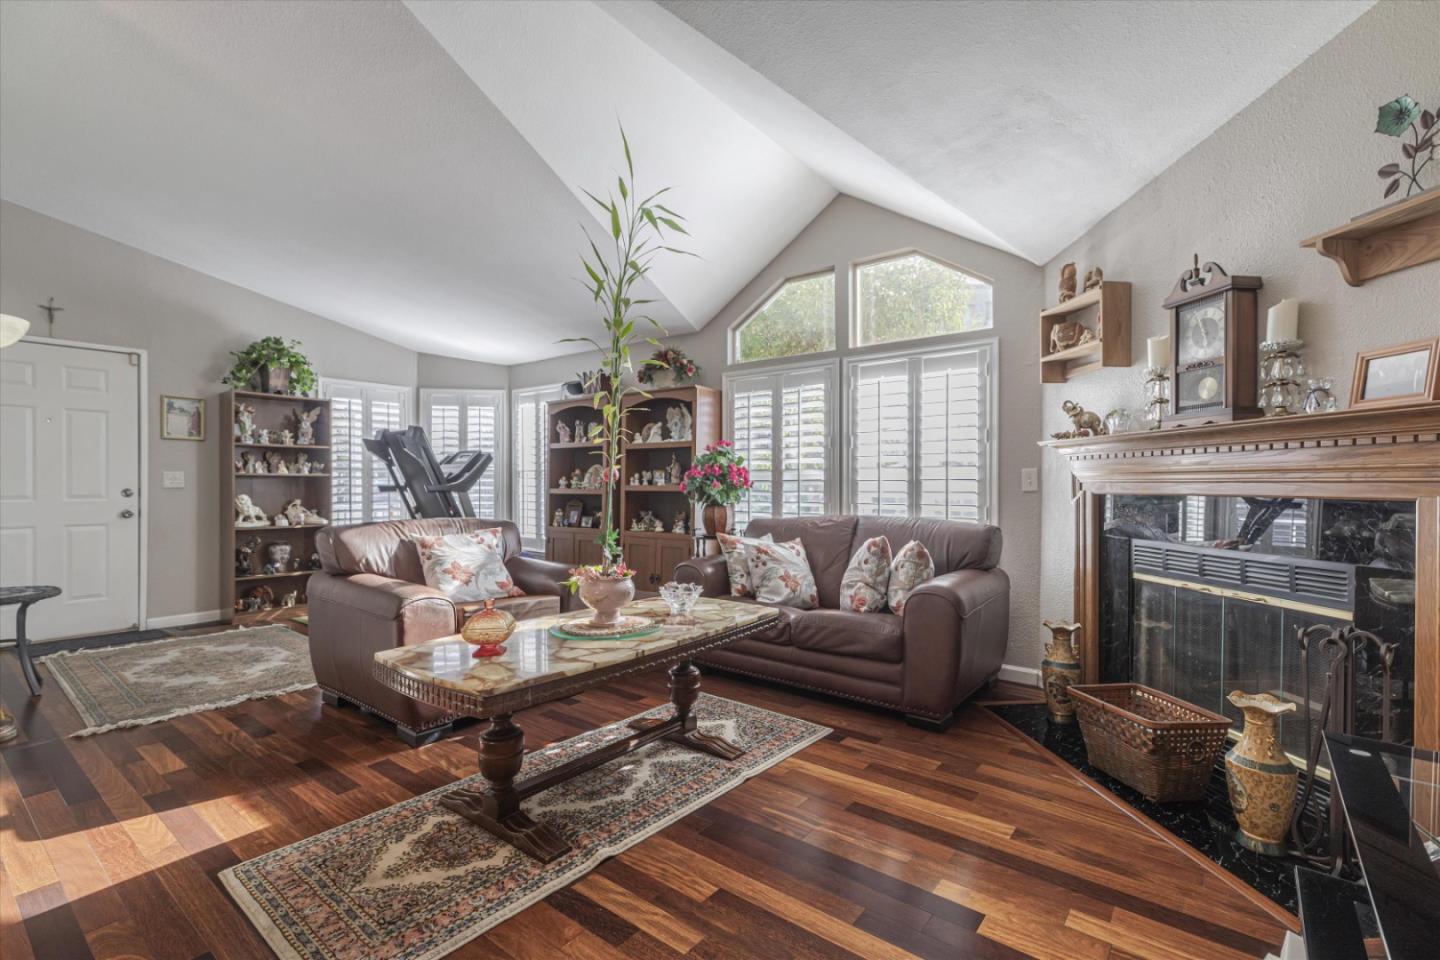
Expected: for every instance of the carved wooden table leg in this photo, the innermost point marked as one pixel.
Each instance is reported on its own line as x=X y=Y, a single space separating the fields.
x=684 y=691
x=502 y=748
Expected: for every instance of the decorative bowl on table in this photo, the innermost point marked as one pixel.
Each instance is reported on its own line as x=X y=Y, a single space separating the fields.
x=681 y=599
x=488 y=630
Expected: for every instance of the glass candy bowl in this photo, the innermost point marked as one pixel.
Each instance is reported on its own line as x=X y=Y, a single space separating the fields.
x=488 y=630
x=681 y=598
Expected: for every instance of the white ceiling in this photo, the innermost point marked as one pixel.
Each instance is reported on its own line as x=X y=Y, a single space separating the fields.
x=414 y=170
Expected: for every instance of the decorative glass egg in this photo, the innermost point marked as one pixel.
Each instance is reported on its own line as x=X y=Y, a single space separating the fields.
x=488 y=630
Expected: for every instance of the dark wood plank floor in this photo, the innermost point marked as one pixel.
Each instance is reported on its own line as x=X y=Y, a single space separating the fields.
x=879 y=842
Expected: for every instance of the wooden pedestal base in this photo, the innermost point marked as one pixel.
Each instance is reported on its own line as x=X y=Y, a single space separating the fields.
x=502 y=749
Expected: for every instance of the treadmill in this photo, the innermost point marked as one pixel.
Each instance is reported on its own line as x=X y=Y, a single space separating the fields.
x=429 y=488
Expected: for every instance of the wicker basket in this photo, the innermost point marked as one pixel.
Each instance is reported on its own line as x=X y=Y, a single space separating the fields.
x=1158 y=744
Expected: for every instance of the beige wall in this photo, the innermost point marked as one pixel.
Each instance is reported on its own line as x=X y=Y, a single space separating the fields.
x=188 y=323
x=849 y=230
x=454 y=372
x=1299 y=160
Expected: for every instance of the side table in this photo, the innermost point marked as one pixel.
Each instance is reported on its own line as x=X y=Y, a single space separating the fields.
x=25 y=597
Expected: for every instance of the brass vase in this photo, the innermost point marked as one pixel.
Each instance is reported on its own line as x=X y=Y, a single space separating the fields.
x=1060 y=668
x=1260 y=777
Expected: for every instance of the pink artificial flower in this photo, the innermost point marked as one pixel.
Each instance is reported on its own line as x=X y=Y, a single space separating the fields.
x=714 y=484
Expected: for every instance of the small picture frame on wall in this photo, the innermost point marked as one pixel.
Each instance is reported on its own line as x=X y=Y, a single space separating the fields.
x=1404 y=373
x=182 y=418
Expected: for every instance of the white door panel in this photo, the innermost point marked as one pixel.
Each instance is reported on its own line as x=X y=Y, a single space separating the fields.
x=70 y=438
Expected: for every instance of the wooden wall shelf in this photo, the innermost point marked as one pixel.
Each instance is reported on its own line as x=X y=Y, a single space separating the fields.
x=1111 y=346
x=1404 y=234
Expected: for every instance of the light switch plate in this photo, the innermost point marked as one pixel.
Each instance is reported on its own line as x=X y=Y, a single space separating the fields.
x=1029 y=479
x=172 y=479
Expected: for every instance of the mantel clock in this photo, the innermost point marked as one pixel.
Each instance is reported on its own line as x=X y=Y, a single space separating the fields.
x=1214 y=345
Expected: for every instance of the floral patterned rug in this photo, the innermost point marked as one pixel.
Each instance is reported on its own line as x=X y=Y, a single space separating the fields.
x=139 y=683
x=415 y=881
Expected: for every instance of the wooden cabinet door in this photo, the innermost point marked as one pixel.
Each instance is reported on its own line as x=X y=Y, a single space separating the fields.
x=560 y=546
x=640 y=556
x=587 y=546
x=668 y=554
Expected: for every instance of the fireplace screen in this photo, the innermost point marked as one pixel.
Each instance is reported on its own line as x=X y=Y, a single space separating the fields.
x=1204 y=595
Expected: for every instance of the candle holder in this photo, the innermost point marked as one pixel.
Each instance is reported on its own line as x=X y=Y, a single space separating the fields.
x=1157 y=395
x=1280 y=371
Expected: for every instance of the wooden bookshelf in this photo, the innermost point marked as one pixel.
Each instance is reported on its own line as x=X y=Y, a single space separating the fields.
x=566 y=544
x=1110 y=322
x=270 y=492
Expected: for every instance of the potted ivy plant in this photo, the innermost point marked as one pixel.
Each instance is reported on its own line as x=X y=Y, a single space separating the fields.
x=272 y=365
x=638 y=229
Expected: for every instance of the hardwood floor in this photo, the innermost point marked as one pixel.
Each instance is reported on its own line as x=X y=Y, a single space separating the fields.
x=880 y=841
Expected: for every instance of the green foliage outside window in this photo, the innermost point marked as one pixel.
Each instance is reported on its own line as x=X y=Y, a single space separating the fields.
x=913 y=296
x=798 y=319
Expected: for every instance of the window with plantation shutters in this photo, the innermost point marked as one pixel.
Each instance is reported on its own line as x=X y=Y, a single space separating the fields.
x=783 y=424
x=919 y=435
x=530 y=448
x=471 y=420
x=357 y=411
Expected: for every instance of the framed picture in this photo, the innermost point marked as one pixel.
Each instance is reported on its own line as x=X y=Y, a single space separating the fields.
x=574 y=510
x=587 y=521
x=1403 y=373
x=182 y=418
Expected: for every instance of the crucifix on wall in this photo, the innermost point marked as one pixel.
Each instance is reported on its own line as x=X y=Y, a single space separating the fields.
x=50 y=310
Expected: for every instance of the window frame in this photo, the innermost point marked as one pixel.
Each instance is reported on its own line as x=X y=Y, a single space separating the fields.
x=500 y=467
x=732 y=334
x=542 y=395
x=372 y=473
x=776 y=372
x=853 y=320
x=990 y=493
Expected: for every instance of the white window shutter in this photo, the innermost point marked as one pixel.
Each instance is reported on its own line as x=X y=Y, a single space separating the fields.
x=782 y=424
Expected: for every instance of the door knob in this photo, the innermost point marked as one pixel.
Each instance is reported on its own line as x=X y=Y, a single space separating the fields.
x=127 y=492
x=127 y=514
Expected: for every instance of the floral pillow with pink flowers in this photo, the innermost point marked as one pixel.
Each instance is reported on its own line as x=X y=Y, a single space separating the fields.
x=862 y=588
x=780 y=573
x=911 y=567
x=736 y=564
x=467 y=566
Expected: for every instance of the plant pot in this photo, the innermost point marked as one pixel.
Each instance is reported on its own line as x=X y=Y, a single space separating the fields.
x=606 y=597
x=665 y=379
x=573 y=388
x=1260 y=778
x=274 y=379
x=715 y=519
x=1060 y=668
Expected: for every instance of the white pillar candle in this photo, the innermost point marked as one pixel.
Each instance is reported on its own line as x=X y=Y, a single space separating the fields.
x=1283 y=322
x=1159 y=352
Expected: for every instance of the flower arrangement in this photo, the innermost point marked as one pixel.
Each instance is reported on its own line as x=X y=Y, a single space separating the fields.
x=1396 y=117
x=264 y=360
x=591 y=573
x=718 y=477
x=667 y=366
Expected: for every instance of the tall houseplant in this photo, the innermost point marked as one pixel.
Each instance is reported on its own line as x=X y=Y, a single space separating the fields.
x=638 y=229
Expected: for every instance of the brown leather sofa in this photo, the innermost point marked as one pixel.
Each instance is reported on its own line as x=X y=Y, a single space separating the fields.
x=949 y=643
x=370 y=595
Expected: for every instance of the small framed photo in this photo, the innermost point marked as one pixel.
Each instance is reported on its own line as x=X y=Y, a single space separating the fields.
x=574 y=510
x=587 y=521
x=182 y=418
x=1405 y=373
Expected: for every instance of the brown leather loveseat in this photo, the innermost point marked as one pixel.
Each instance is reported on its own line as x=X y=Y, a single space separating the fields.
x=370 y=595
x=949 y=643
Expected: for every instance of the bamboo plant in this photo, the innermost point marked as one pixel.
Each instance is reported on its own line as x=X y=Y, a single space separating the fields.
x=638 y=234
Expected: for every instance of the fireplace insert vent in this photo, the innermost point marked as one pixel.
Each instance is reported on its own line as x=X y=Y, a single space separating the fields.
x=1225 y=569
x=1293 y=580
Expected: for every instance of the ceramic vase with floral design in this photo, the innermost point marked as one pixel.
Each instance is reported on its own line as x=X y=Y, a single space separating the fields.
x=1260 y=777
x=605 y=596
x=1060 y=668
x=488 y=630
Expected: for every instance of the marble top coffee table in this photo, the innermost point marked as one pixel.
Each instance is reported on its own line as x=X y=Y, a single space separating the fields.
x=537 y=668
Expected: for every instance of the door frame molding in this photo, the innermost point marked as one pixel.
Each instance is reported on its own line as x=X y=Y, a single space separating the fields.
x=143 y=426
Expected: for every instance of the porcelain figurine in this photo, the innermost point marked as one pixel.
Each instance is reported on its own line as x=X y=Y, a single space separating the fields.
x=245 y=557
x=240 y=464
x=594 y=477
x=653 y=432
x=280 y=520
x=290 y=599
x=277 y=555
x=682 y=523
x=244 y=423
x=679 y=421
x=314 y=563
x=674 y=471
x=247 y=514
x=1083 y=423
x=302 y=463
x=559 y=519
x=1067 y=282
x=564 y=483
x=299 y=515
x=287 y=438
x=579 y=430
x=575 y=478
x=305 y=426
x=1060 y=668
x=563 y=432
x=1261 y=779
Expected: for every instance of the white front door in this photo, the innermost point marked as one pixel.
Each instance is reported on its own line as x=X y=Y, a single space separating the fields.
x=70 y=486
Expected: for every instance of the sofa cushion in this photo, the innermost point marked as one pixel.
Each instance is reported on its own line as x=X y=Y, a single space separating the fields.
x=952 y=544
x=780 y=574
x=873 y=636
x=521 y=608
x=911 y=567
x=778 y=632
x=866 y=579
x=466 y=566
x=829 y=541
x=737 y=562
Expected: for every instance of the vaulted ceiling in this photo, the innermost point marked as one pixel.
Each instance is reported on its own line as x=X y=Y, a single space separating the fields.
x=415 y=170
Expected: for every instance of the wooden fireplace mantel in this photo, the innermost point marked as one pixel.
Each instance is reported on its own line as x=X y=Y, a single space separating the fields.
x=1379 y=453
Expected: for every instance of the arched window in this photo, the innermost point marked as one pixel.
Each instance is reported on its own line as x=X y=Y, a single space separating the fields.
x=798 y=318
x=913 y=295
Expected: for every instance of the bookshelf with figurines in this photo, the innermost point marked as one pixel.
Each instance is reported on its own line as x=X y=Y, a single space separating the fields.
x=575 y=483
x=275 y=493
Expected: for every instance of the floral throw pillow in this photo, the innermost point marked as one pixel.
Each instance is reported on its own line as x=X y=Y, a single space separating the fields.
x=781 y=575
x=733 y=549
x=862 y=588
x=912 y=566
x=467 y=566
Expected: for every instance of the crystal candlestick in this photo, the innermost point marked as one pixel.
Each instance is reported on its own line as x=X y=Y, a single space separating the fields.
x=1157 y=395
x=1280 y=371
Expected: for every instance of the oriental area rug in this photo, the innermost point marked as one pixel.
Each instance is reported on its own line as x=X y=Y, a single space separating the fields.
x=415 y=881
x=156 y=680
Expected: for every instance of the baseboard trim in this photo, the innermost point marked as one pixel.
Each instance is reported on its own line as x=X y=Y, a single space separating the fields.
x=184 y=619
x=1026 y=676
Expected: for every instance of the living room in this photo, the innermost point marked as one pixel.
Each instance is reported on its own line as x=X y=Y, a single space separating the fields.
x=613 y=478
